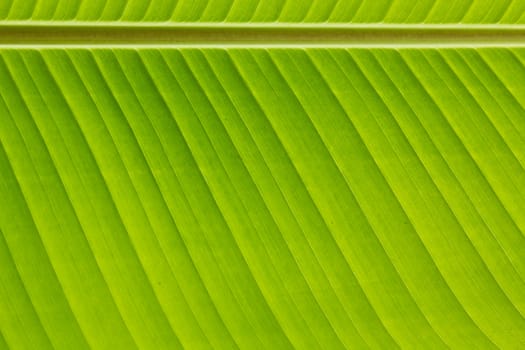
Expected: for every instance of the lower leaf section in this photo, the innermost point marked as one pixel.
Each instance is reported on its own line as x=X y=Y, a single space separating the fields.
x=252 y=198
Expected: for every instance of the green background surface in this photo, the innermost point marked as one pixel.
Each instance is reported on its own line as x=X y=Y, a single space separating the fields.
x=253 y=198
x=262 y=198
x=309 y=11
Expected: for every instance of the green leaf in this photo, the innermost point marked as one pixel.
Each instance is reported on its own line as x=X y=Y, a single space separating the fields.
x=290 y=174
x=262 y=198
x=312 y=11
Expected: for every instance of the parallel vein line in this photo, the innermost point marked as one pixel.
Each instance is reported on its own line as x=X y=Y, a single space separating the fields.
x=362 y=212
x=242 y=203
x=223 y=219
x=309 y=195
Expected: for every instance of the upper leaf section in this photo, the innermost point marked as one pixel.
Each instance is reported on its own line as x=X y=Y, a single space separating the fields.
x=281 y=11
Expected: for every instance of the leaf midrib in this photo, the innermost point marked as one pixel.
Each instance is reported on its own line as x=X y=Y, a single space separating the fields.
x=44 y=33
